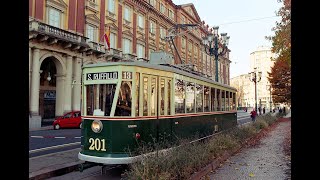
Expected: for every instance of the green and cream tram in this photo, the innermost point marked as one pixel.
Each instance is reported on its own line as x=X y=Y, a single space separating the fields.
x=128 y=102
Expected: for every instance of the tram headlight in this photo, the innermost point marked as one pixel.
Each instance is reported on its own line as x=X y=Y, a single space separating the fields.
x=96 y=126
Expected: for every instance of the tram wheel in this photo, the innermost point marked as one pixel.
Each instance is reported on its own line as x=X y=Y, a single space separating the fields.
x=57 y=126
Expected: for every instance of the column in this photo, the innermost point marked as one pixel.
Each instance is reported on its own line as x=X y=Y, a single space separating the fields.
x=76 y=90
x=68 y=85
x=30 y=66
x=35 y=83
x=60 y=94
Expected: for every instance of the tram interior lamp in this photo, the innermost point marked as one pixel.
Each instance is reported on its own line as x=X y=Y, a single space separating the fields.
x=211 y=45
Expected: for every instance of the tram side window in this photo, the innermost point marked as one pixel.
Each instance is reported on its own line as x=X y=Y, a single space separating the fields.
x=145 y=96
x=162 y=96
x=179 y=96
x=230 y=101
x=123 y=107
x=234 y=101
x=206 y=102
x=213 y=99
x=218 y=100
x=137 y=93
x=222 y=100
x=153 y=99
x=169 y=97
x=226 y=100
x=190 y=98
x=199 y=97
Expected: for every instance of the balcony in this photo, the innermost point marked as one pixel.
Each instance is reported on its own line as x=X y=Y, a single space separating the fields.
x=129 y=57
x=114 y=55
x=97 y=48
x=44 y=32
x=92 y=6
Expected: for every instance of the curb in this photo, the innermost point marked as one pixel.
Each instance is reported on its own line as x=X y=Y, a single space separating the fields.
x=55 y=170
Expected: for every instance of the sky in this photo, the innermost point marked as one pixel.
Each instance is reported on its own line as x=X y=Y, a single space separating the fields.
x=247 y=22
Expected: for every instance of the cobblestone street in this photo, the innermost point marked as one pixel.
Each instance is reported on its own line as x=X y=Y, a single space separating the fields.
x=264 y=161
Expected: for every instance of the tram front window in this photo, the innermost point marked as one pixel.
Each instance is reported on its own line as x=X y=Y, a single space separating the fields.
x=123 y=107
x=99 y=99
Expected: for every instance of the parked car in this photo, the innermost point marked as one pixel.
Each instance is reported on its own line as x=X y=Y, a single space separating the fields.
x=68 y=120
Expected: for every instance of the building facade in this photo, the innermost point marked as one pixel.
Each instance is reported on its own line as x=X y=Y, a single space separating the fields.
x=64 y=35
x=261 y=59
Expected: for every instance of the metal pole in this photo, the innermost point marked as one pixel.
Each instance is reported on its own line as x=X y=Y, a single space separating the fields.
x=270 y=99
x=255 y=91
x=216 y=55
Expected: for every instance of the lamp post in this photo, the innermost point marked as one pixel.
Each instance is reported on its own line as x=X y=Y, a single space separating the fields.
x=211 y=44
x=255 y=77
x=269 y=88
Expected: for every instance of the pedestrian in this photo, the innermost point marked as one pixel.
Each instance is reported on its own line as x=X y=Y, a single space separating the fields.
x=259 y=110
x=253 y=115
x=264 y=110
x=284 y=110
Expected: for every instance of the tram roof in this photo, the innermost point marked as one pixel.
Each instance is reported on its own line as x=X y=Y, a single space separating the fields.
x=168 y=67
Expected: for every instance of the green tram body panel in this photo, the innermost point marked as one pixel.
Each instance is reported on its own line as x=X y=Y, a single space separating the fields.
x=120 y=139
x=119 y=135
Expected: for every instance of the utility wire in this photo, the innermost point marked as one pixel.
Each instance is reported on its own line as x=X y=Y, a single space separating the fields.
x=248 y=20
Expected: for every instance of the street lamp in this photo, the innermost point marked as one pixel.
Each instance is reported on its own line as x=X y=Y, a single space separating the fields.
x=255 y=77
x=215 y=50
x=269 y=88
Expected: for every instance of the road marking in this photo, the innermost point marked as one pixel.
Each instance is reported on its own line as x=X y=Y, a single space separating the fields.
x=243 y=118
x=56 y=137
x=37 y=136
x=53 y=147
x=45 y=155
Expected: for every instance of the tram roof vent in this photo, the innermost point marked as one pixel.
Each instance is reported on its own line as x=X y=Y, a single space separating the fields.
x=161 y=57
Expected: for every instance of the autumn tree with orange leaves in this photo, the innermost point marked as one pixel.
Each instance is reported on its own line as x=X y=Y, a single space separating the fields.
x=280 y=75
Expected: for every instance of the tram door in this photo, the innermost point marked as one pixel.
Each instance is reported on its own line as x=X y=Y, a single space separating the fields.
x=156 y=103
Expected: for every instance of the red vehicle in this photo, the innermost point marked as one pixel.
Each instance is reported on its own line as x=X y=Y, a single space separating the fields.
x=69 y=120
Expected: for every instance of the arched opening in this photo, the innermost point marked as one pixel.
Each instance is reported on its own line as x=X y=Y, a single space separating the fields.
x=47 y=96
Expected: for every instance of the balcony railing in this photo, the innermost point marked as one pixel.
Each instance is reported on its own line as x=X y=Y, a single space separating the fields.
x=97 y=47
x=113 y=55
x=129 y=57
x=55 y=32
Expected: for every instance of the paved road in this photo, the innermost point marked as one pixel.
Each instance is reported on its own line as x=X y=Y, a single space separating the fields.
x=49 y=141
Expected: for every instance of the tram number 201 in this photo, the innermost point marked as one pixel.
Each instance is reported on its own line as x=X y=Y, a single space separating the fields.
x=97 y=144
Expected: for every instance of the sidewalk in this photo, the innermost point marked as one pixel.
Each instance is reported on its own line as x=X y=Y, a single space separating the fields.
x=264 y=160
x=46 y=166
